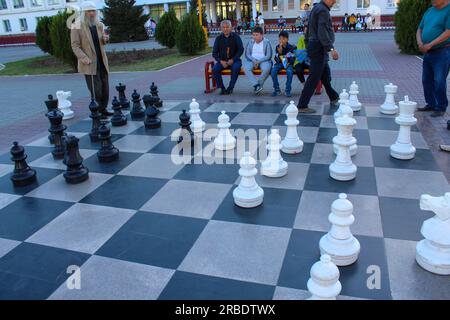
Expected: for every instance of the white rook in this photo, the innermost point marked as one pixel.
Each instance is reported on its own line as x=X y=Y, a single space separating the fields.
x=248 y=194
x=339 y=243
x=433 y=253
x=324 y=282
x=274 y=166
x=64 y=104
x=403 y=149
x=354 y=102
x=198 y=125
x=291 y=143
x=389 y=106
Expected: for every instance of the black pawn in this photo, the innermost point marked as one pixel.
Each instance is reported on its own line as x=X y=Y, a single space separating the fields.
x=57 y=130
x=118 y=119
x=51 y=105
x=22 y=175
x=186 y=134
x=137 y=112
x=152 y=120
x=95 y=116
x=107 y=152
x=75 y=172
x=122 y=98
x=154 y=92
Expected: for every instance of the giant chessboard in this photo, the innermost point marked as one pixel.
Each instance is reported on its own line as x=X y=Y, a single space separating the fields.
x=146 y=228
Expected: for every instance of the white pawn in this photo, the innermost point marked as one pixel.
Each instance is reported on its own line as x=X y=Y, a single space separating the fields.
x=342 y=168
x=389 y=106
x=339 y=243
x=324 y=282
x=433 y=252
x=343 y=100
x=197 y=125
x=291 y=143
x=403 y=149
x=248 y=194
x=64 y=104
x=353 y=100
x=346 y=110
x=274 y=166
x=224 y=139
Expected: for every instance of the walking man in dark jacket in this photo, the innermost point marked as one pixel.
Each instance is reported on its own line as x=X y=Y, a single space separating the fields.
x=227 y=52
x=320 y=44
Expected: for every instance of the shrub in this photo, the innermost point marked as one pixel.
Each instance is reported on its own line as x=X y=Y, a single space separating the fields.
x=190 y=37
x=167 y=29
x=60 y=39
x=43 y=39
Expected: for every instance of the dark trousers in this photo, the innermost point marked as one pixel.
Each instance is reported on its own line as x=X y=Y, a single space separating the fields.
x=318 y=70
x=436 y=66
x=235 y=68
x=300 y=71
x=101 y=86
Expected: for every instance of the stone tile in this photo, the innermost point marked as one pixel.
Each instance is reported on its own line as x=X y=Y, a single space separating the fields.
x=44 y=142
x=5 y=169
x=128 y=128
x=6 y=199
x=138 y=143
x=328 y=122
x=7 y=245
x=264 y=119
x=228 y=107
x=152 y=166
x=324 y=154
x=385 y=138
x=48 y=161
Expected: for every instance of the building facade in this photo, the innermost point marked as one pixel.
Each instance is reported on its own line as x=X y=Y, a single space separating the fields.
x=21 y=16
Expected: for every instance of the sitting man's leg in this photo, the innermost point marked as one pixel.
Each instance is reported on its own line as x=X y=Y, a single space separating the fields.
x=266 y=67
x=289 y=75
x=274 y=74
x=216 y=72
x=235 y=69
x=248 y=69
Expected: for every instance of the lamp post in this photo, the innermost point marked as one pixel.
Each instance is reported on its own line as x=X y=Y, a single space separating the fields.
x=200 y=20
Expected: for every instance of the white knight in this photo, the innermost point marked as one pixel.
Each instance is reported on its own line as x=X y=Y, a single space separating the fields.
x=64 y=104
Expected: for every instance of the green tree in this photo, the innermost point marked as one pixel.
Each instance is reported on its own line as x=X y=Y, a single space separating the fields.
x=60 y=39
x=190 y=37
x=407 y=19
x=125 y=20
x=193 y=4
x=167 y=29
x=43 y=39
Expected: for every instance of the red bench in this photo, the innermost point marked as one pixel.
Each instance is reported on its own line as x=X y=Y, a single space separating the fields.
x=211 y=85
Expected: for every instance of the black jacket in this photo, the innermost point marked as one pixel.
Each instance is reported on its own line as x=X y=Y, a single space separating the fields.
x=228 y=48
x=320 y=27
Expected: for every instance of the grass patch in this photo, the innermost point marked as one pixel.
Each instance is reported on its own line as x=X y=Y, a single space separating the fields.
x=133 y=60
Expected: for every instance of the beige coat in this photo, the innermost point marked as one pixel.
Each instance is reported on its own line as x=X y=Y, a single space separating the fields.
x=83 y=46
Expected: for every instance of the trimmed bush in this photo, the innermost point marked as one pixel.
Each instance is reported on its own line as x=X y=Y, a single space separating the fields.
x=167 y=28
x=43 y=39
x=60 y=39
x=407 y=19
x=190 y=37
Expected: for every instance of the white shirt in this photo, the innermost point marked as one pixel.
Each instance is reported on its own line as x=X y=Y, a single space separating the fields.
x=258 y=51
x=261 y=20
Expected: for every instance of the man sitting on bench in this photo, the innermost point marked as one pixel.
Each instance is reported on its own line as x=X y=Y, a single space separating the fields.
x=227 y=52
x=258 y=55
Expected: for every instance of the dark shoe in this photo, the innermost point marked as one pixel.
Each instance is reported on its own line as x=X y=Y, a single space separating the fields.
x=445 y=147
x=258 y=89
x=335 y=102
x=106 y=113
x=223 y=92
x=288 y=94
x=436 y=114
x=276 y=93
x=230 y=90
x=306 y=110
x=448 y=124
x=426 y=108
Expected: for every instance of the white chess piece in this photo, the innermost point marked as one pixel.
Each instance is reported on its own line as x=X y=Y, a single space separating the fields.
x=291 y=143
x=342 y=168
x=198 y=125
x=433 y=252
x=353 y=100
x=403 y=149
x=274 y=166
x=346 y=110
x=224 y=140
x=64 y=104
x=248 y=194
x=339 y=243
x=389 y=106
x=343 y=100
x=324 y=281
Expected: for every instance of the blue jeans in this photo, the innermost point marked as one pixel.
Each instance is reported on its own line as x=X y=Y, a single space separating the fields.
x=289 y=74
x=436 y=66
x=235 y=68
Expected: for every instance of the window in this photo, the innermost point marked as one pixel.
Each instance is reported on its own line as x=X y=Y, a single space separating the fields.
x=392 y=3
x=7 y=25
x=265 y=5
x=291 y=4
x=37 y=3
x=3 y=4
x=179 y=8
x=337 y=5
x=277 y=5
x=18 y=4
x=156 y=11
x=362 y=4
x=52 y=2
x=23 y=24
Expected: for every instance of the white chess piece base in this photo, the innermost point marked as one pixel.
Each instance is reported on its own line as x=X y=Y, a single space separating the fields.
x=248 y=198
x=342 y=252
x=291 y=147
x=274 y=171
x=388 y=109
x=342 y=172
x=403 y=151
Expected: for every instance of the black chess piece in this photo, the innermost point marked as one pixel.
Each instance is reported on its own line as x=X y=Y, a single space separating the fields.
x=22 y=175
x=122 y=98
x=154 y=92
x=152 y=120
x=95 y=116
x=57 y=129
x=118 y=119
x=186 y=134
x=149 y=100
x=75 y=172
x=51 y=105
x=137 y=112
x=107 y=152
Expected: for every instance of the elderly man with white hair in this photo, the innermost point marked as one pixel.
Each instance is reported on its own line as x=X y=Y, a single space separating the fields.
x=227 y=52
x=88 y=44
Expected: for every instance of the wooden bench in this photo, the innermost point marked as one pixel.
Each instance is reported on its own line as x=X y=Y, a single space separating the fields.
x=211 y=85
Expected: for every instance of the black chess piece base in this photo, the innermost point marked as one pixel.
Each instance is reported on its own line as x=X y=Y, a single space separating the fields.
x=108 y=155
x=23 y=179
x=94 y=136
x=153 y=124
x=118 y=121
x=137 y=115
x=74 y=177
